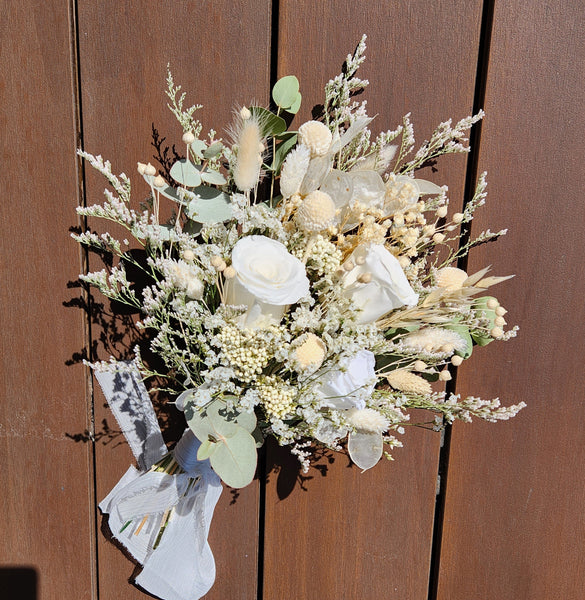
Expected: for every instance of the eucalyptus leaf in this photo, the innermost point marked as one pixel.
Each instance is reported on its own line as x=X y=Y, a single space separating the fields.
x=480 y=337
x=213 y=150
x=289 y=140
x=271 y=124
x=285 y=91
x=206 y=449
x=293 y=109
x=234 y=458
x=213 y=177
x=209 y=205
x=186 y=173
x=207 y=421
x=199 y=148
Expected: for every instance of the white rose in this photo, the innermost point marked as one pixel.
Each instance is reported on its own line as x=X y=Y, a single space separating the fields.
x=387 y=287
x=267 y=279
x=350 y=386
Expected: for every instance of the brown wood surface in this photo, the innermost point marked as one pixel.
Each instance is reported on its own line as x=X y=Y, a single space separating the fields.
x=515 y=522
x=219 y=53
x=46 y=503
x=352 y=535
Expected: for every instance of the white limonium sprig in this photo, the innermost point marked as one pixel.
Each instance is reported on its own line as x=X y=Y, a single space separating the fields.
x=321 y=312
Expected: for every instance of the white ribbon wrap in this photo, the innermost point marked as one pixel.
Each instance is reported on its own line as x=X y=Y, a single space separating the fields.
x=177 y=565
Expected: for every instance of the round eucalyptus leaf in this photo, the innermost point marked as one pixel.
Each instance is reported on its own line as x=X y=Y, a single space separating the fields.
x=186 y=173
x=293 y=109
x=213 y=177
x=271 y=124
x=213 y=150
x=234 y=458
x=285 y=91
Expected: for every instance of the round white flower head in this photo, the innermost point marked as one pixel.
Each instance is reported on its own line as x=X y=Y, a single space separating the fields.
x=385 y=289
x=268 y=271
x=450 y=278
x=316 y=213
x=310 y=353
x=349 y=385
x=367 y=420
x=316 y=136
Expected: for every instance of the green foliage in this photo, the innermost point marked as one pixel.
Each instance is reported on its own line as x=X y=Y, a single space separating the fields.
x=287 y=142
x=285 y=94
x=208 y=205
x=272 y=125
x=186 y=173
x=481 y=337
x=226 y=440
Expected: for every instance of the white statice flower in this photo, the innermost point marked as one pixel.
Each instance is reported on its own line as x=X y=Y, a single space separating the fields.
x=267 y=279
x=377 y=284
x=350 y=383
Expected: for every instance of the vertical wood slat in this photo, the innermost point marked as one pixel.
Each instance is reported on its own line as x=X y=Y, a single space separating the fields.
x=46 y=478
x=514 y=519
x=219 y=53
x=352 y=535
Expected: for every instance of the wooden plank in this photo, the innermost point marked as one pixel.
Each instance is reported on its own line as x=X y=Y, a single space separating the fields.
x=46 y=478
x=515 y=509
x=352 y=535
x=219 y=52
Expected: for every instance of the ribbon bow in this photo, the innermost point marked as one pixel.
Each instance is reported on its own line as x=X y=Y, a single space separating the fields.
x=162 y=512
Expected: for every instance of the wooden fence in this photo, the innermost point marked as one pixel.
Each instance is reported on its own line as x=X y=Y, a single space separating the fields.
x=508 y=522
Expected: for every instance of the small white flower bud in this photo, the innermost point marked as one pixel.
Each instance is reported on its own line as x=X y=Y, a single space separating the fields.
x=439 y=238
x=458 y=218
x=496 y=332
x=451 y=228
x=419 y=366
x=188 y=138
x=444 y=375
x=188 y=255
x=492 y=304
x=348 y=265
x=149 y=170
x=159 y=182
x=229 y=272
x=365 y=278
x=442 y=212
x=501 y=311
x=456 y=360
x=245 y=113
x=360 y=260
x=218 y=263
x=141 y=168
x=499 y=321
x=447 y=348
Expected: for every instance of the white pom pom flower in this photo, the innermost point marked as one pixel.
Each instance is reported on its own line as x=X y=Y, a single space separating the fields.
x=315 y=136
x=316 y=213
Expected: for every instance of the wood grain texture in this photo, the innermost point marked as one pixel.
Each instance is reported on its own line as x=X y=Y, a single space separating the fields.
x=352 y=535
x=516 y=496
x=46 y=480
x=219 y=52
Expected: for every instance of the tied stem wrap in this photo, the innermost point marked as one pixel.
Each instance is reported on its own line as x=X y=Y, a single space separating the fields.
x=162 y=520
